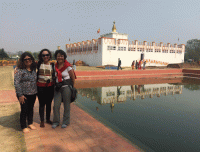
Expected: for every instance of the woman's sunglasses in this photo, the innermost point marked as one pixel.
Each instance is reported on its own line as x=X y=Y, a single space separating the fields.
x=29 y=59
x=43 y=55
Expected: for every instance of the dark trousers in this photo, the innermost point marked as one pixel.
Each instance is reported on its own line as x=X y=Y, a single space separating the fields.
x=119 y=66
x=27 y=110
x=45 y=97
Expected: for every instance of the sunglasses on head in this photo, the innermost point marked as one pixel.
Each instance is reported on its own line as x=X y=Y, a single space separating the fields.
x=29 y=59
x=43 y=55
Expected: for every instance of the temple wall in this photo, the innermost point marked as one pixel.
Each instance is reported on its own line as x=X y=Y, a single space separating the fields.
x=106 y=56
x=94 y=59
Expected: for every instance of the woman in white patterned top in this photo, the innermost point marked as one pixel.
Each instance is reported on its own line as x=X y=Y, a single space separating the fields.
x=45 y=83
x=26 y=89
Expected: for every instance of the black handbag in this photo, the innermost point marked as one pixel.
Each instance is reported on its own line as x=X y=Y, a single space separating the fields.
x=73 y=93
x=58 y=86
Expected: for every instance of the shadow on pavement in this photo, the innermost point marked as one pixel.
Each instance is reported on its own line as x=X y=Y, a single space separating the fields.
x=11 y=121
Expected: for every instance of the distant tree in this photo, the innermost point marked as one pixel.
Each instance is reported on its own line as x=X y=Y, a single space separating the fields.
x=29 y=52
x=53 y=53
x=35 y=55
x=3 y=54
x=192 y=50
x=19 y=53
x=192 y=86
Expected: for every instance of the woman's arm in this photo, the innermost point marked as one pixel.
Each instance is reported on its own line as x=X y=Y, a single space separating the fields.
x=72 y=76
x=17 y=79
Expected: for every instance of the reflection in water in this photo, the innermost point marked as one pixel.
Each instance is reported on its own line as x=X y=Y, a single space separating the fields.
x=163 y=117
x=117 y=94
x=192 y=86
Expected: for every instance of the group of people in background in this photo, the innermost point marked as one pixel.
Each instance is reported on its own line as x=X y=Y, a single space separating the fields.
x=40 y=79
x=138 y=65
x=134 y=65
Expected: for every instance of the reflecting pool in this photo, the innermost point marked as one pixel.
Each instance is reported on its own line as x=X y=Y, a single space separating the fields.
x=156 y=117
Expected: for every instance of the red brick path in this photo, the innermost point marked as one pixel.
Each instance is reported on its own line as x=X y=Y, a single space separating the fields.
x=83 y=134
x=8 y=96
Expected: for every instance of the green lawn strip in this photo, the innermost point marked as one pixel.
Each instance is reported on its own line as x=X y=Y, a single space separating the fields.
x=11 y=136
x=6 y=78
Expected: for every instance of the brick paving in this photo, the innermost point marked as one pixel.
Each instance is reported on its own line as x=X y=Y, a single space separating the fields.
x=8 y=96
x=83 y=134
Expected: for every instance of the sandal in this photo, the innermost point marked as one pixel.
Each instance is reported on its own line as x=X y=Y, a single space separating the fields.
x=26 y=130
x=32 y=127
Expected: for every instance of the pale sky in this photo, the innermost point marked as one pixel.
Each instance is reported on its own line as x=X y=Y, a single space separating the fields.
x=34 y=25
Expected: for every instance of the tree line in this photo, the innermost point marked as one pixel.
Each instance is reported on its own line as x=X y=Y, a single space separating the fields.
x=5 y=56
x=192 y=50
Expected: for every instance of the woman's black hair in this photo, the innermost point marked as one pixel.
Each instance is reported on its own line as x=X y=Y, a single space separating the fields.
x=61 y=52
x=21 y=64
x=40 y=55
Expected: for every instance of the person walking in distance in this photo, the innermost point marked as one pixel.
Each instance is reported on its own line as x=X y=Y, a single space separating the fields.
x=139 y=65
x=144 y=63
x=119 y=64
x=74 y=65
x=136 y=65
x=133 y=65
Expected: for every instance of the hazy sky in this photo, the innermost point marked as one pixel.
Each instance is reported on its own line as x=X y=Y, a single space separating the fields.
x=34 y=25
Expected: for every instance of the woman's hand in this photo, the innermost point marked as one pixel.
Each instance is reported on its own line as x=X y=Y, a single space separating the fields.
x=15 y=70
x=22 y=99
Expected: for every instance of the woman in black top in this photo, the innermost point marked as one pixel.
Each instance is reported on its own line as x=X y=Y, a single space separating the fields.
x=26 y=89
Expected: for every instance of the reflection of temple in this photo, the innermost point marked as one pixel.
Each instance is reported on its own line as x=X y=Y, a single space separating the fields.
x=145 y=91
x=117 y=94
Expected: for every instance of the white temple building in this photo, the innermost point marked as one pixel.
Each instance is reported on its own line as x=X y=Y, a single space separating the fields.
x=107 y=49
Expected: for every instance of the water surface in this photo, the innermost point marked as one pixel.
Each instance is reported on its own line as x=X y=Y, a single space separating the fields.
x=156 y=117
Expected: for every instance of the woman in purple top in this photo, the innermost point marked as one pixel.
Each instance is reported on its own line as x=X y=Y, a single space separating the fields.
x=26 y=89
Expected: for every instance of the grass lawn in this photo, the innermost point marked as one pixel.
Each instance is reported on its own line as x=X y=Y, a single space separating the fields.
x=6 y=78
x=11 y=136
